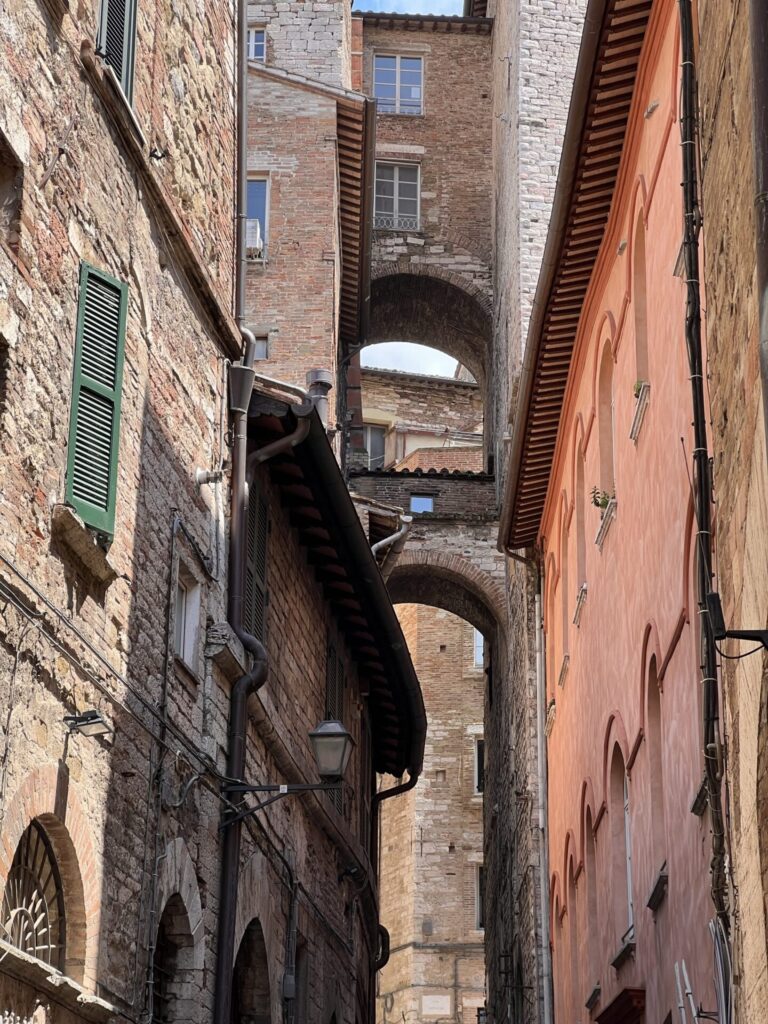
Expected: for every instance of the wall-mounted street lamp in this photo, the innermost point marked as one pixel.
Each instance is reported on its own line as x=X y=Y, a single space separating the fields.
x=332 y=745
x=88 y=723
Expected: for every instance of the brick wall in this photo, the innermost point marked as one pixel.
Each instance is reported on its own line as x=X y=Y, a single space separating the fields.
x=292 y=296
x=464 y=497
x=433 y=841
x=739 y=450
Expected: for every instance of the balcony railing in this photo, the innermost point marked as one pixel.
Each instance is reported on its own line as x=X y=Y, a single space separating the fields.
x=395 y=222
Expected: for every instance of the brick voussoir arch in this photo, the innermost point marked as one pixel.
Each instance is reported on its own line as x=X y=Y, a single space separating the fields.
x=455 y=570
x=381 y=269
x=48 y=795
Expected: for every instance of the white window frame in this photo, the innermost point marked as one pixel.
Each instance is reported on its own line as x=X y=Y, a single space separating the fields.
x=396 y=222
x=254 y=176
x=186 y=625
x=478 y=741
x=398 y=57
x=253 y=31
x=367 y=428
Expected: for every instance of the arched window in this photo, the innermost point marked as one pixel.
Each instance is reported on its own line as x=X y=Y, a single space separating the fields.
x=621 y=843
x=565 y=596
x=172 y=963
x=655 y=764
x=251 y=1000
x=581 y=539
x=590 y=864
x=639 y=303
x=32 y=914
x=574 y=946
x=605 y=420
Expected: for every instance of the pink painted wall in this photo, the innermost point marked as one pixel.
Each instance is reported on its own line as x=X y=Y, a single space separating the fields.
x=640 y=603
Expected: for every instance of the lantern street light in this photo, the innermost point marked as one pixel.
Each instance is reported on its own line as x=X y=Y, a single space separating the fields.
x=332 y=746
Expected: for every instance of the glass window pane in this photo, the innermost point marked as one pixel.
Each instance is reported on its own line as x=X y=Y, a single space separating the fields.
x=257 y=203
x=422 y=503
x=409 y=173
x=383 y=63
x=411 y=64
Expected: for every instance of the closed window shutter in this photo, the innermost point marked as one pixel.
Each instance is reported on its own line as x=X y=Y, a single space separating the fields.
x=117 y=32
x=256 y=566
x=94 y=429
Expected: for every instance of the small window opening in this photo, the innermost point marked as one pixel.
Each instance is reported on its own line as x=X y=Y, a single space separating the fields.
x=256 y=228
x=480 y=898
x=257 y=44
x=422 y=503
x=478 y=648
x=479 y=766
x=187 y=618
x=11 y=182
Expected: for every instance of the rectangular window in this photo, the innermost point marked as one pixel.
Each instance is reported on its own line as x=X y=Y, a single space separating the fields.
x=94 y=425
x=397 y=84
x=480 y=898
x=374 y=439
x=187 y=619
x=396 y=204
x=256 y=220
x=116 y=40
x=255 y=602
x=478 y=648
x=257 y=44
x=422 y=503
x=479 y=766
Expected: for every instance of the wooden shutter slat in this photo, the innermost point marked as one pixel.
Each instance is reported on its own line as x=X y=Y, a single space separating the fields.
x=95 y=417
x=117 y=39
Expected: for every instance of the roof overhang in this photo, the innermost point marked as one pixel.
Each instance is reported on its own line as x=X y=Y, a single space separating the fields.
x=452 y=23
x=321 y=511
x=356 y=134
x=604 y=84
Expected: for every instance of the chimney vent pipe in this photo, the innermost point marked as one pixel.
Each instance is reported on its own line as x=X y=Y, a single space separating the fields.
x=319 y=383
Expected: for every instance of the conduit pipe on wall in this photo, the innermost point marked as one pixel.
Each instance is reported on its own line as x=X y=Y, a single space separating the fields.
x=542 y=782
x=758 y=18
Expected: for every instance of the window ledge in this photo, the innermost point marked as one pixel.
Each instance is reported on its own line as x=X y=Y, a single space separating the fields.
x=564 y=670
x=625 y=951
x=641 y=405
x=186 y=673
x=224 y=648
x=46 y=979
x=607 y=517
x=71 y=531
x=581 y=600
x=594 y=997
x=659 y=890
x=111 y=92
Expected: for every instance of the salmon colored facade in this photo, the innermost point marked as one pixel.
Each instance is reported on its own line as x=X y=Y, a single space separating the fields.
x=623 y=685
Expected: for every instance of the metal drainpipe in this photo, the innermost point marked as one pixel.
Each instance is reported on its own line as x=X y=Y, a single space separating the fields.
x=541 y=758
x=758 y=18
x=405 y=525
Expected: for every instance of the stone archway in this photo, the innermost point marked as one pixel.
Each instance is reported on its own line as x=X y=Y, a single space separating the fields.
x=251 y=999
x=433 y=307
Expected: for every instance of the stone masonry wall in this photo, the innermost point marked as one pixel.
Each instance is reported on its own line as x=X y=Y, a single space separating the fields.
x=739 y=449
x=309 y=37
x=437 y=966
x=406 y=399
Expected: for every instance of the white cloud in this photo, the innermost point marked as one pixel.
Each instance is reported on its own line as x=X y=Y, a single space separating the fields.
x=411 y=6
x=404 y=355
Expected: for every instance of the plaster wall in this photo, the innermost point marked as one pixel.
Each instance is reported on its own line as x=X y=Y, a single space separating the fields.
x=640 y=613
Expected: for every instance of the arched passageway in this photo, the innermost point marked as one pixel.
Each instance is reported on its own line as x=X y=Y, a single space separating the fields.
x=433 y=311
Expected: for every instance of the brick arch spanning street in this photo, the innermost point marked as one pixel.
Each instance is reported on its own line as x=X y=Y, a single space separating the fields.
x=436 y=307
x=450 y=581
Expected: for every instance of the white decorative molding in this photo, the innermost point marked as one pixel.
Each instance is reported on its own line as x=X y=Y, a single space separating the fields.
x=564 y=669
x=641 y=404
x=607 y=517
x=581 y=599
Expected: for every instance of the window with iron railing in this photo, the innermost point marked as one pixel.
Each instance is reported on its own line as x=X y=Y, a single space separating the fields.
x=396 y=206
x=398 y=84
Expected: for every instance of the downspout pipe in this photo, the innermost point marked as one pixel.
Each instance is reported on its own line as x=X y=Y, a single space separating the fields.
x=405 y=525
x=758 y=18
x=542 y=783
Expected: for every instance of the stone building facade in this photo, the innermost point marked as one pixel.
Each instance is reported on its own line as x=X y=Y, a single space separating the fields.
x=730 y=196
x=431 y=848
x=118 y=660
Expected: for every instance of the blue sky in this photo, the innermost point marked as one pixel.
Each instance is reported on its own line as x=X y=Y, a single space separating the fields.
x=411 y=6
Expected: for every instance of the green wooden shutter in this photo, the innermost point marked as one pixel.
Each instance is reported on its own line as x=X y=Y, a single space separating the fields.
x=94 y=425
x=256 y=566
x=117 y=39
